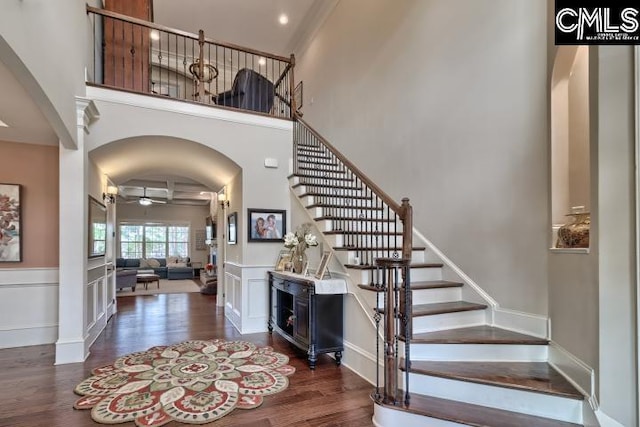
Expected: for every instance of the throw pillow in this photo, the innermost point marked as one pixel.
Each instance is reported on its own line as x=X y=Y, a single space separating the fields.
x=144 y=263
x=171 y=260
x=153 y=263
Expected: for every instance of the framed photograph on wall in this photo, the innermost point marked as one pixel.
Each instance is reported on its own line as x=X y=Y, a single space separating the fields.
x=266 y=225
x=10 y=223
x=324 y=263
x=232 y=228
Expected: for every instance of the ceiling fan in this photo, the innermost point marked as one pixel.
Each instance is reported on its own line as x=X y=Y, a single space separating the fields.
x=147 y=201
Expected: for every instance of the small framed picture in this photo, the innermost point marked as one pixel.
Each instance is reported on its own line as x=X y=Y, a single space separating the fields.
x=284 y=258
x=266 y=225
x=232 y=229
x=324 y=263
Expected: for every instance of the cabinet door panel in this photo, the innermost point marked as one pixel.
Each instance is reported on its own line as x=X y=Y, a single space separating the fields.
x=301 y=324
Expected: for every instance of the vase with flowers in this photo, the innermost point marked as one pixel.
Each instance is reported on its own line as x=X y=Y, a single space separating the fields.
x=298 y=242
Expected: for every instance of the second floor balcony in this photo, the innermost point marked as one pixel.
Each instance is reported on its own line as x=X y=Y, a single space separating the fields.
x=139 y=56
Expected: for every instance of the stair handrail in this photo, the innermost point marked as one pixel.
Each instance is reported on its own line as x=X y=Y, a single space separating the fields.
x=403 y=209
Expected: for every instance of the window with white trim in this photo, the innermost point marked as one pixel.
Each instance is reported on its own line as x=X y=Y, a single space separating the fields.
x=153 y=240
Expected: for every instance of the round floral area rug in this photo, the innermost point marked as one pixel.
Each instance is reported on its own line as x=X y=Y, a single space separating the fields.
x=193 y=382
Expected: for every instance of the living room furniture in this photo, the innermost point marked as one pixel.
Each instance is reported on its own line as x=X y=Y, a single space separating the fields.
x=307 y=312
x=208 y=283
x=180 y=271
x=126 y=279
x=250 y=91
x=146 y=278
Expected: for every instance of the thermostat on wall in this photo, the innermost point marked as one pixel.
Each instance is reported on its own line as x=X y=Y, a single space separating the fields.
x=270 y=162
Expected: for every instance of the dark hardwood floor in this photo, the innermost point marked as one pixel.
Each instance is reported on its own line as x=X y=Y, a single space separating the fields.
x=34 y=392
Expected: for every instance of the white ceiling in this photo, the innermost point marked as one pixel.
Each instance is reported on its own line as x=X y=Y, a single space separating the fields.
x=251 y=23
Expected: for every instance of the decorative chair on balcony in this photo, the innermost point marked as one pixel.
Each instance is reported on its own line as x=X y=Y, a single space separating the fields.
x=250 y=91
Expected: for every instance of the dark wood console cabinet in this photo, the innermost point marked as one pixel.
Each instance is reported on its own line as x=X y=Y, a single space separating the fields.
x=310 y=321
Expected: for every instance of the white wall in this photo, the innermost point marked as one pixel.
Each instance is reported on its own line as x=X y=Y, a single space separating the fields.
x=455 y=120
x=616 y=210
x=34 y=35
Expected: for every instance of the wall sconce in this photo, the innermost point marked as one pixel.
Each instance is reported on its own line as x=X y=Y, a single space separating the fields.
x=222 y=198
x=109 y=197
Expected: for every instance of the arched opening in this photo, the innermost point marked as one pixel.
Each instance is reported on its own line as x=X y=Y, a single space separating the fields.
x=570 y=169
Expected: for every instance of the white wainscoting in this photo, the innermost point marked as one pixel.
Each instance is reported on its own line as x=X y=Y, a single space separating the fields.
x=28 y=306
x=247 y=296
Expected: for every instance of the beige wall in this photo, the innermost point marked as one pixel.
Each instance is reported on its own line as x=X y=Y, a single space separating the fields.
x=35 y=167
x=455 y=120
x=579 y=176
x=616 y=236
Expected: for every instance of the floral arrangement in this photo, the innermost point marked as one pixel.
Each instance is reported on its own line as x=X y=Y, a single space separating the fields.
x=209 y=268
x=300 y=240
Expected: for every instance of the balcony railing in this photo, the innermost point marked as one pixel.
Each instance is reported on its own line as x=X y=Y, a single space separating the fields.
x=139 y=56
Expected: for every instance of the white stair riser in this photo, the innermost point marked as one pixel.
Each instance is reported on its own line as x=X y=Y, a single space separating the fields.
x=459 y=319
x=315 y=161
x=338 y=201
x=362 y=240
x=417 y=274
x=317 y=212
x=326 y=181
x=389 y=417
x=307 y=188
x=431 y=296
x=437 y=295
x=384 y=226
x=538 y=404
x=479 y=352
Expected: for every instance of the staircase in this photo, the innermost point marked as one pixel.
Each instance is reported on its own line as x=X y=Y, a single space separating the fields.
x=458 y=369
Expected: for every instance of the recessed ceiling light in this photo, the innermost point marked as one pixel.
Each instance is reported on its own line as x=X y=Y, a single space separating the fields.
x=283 y=19
x=3 y=124
x=155 y=35
x=262 y=61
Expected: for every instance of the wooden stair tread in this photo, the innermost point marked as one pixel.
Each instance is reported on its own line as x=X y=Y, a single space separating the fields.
x=445 y=307
x=372 y=267
x=341 y=187
x=315 y=156
x=477 y=335
x=473 y=415
x=329 y=205
x=431 y=284
x=334 y=178
x=346 y=218
x=343 y=196
x=307 y=168
x=434 y=284
x=537 y=377
x=376 y=248
x=367 y=233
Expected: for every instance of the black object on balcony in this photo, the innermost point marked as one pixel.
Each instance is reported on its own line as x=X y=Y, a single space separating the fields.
x=250 y=91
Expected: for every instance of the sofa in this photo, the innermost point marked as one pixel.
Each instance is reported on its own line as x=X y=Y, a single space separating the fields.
x=126 y=279
x=171 y=268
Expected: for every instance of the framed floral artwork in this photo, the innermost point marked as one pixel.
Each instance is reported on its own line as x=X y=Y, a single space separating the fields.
x=10 y=223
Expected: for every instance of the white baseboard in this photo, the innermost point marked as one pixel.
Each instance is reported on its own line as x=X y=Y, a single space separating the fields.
x=578 y=373
x=519 y=321
x=28 y=306
x=27 y=336
x=70 y=352
x=605 y=420
x=360 y=362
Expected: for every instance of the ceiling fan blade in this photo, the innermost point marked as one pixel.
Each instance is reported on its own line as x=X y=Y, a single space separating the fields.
x=162 y=202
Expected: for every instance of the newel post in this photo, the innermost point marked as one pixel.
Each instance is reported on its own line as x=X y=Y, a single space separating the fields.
x=292 y=86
